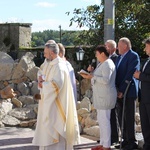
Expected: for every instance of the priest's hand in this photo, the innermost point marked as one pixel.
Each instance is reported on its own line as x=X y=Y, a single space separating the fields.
x=40 y=81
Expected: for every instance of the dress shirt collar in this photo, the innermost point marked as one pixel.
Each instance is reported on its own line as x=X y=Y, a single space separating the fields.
x=111 y=54
x=124 y=54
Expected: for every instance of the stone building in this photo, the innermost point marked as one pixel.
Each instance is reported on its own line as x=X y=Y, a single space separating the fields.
x=14 y=36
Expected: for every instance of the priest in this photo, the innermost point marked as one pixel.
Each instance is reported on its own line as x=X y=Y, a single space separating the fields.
x=57 y=124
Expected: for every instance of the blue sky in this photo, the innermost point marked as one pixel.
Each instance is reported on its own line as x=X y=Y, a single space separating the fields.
x=43 y=14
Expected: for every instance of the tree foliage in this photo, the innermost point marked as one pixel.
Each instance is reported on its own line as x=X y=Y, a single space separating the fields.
x=131 y=20
x=92 y=17
x=68 y=38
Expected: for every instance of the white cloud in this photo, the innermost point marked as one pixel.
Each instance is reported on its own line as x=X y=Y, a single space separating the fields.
x=45 y=4
x=51 y=24
x=12 y=20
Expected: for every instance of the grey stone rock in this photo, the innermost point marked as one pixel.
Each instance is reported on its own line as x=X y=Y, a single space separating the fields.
x=11 y=121
x=18 y=71
x=85 y=103
x=92 y=131
x=26 y=62
x=34 y=107
x=89 y=122
x=34 y=88
x=2 y=113
x=83 y=112
x=26 y=100
x=6 y=66
x=29 y=123
x=5 y=58
x=23 y=88
x=23 y=113
x=17 y=103
x=6 y=106
x=88 y=93
x=85 y=85
x=32 y=73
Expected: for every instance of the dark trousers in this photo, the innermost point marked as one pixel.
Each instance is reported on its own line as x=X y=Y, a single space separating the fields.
x=114 y=126
x=145 y=123
x=129 y=119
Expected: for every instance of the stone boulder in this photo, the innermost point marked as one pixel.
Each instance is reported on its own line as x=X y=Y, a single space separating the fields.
x=26 y=100
x=6 y=66
x=23 y=113
x=10 y=121
x=93 y=131
x=85 y=103
x=7 y=92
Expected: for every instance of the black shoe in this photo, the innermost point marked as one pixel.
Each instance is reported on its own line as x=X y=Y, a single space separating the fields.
x=124 y=143
x=114 y=142
x=131 y=146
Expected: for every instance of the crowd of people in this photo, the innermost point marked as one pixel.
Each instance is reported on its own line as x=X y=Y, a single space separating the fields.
x=57 y=122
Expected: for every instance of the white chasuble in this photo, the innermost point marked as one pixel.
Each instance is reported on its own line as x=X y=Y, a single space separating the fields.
x=57 y=122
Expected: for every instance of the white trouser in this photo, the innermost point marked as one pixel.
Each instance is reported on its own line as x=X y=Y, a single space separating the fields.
x=103 y=117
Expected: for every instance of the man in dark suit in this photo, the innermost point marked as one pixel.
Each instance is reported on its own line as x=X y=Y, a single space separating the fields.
x=144 y=78
x=127 y=63
x=111 y=48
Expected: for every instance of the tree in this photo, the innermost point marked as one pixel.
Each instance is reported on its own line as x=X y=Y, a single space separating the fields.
x=68 y=37
x=92 y=18
x=131 y=20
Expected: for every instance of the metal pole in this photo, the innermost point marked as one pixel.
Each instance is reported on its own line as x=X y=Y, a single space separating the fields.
x=60 y=32
x=109 y=19
x=79 y=81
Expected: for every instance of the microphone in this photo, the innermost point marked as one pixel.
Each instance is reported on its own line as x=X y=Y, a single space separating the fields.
x=91 y=66
x=93 y=61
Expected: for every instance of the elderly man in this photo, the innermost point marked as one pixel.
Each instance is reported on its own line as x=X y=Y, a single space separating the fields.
x=144 y=77
x=57 y=124
x=111 y=48
x=127 y=63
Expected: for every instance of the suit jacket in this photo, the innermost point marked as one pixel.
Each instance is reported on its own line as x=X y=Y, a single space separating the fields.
x=129 y=64
x=113 y=57
x=145 y=83
x=103 y=85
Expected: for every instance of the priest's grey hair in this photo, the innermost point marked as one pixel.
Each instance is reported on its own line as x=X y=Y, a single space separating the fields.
x=53 y=46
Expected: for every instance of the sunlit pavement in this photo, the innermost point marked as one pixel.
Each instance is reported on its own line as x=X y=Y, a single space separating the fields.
x=12 y=138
